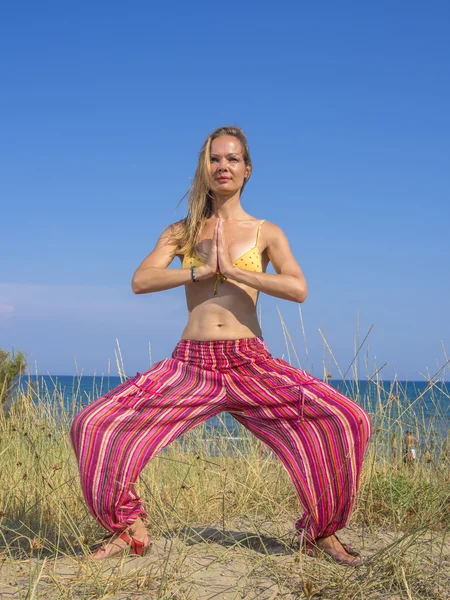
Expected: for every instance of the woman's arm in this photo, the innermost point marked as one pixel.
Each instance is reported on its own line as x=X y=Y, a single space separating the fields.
x=152 y=275
x=289 y=283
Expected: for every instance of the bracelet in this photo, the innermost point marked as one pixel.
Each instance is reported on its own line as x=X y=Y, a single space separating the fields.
x=194 y=279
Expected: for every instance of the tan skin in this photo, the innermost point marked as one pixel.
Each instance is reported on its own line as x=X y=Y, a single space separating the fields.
x=226 y=236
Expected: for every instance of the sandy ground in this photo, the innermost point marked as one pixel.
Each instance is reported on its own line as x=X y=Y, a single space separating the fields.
x=210 y=564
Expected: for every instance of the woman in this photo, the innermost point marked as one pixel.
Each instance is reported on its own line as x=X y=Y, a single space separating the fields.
x=222 y=364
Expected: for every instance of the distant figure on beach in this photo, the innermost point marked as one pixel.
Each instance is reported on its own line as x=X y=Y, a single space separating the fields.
x=409 y=443
x=222 y=364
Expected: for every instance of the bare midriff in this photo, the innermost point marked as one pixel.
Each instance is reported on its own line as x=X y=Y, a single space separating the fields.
x=230 y=315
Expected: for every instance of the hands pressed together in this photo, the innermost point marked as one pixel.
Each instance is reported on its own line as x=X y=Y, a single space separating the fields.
x=218 y=260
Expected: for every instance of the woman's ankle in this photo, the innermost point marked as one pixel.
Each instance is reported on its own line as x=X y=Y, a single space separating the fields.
x=138 y=528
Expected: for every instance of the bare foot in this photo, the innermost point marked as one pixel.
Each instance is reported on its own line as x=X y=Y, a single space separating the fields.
x=333 y=547
x=116 y=545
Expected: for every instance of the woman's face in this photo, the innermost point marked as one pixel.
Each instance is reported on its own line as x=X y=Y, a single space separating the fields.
x=227 y=167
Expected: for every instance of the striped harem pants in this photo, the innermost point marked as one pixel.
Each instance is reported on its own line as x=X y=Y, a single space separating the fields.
x=319 y=434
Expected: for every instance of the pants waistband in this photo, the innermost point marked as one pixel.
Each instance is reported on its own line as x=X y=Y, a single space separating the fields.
x=221 y=354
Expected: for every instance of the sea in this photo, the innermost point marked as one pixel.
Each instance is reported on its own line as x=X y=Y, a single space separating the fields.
x=395 y=406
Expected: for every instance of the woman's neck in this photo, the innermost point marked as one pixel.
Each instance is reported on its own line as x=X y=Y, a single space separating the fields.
x=228 y=208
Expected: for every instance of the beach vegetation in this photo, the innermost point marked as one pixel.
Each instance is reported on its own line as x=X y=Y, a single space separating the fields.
x=12 y=366
x=221 y=512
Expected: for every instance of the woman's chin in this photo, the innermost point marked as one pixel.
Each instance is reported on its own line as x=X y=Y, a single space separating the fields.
x=225 y=190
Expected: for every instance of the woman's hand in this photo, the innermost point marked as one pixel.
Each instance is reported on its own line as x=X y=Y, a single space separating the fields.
x=223 y=256
x=211 y=266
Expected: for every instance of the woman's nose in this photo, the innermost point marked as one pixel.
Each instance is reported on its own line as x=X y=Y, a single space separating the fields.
x=222 y=165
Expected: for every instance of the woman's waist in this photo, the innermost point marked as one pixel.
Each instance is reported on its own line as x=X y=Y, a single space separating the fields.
x=221 y=353
x=216 y=322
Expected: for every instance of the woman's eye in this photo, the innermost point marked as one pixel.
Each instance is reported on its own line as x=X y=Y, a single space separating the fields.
x=234 y=159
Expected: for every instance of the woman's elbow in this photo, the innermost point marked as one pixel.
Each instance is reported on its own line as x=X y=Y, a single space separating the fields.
x=302 y=292
x=137 y=284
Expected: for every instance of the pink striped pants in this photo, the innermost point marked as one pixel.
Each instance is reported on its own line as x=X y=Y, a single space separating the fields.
x=319 y=434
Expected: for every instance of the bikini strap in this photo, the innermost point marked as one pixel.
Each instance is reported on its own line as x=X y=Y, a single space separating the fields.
x=259 y=229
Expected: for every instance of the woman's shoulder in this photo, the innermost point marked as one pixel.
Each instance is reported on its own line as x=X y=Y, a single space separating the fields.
x=174 y=230
x=270 y=229
x=172 y=236
x=272 y=236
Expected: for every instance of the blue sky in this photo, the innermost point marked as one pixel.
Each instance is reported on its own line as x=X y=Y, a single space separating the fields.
x=104 y=107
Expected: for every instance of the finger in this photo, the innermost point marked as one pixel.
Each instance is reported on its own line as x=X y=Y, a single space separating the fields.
x=216 y=227
x=219 y=237
x=222 y=235
x=221 y=245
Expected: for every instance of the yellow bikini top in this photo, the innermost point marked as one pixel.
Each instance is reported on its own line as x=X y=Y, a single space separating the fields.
x=249 y=261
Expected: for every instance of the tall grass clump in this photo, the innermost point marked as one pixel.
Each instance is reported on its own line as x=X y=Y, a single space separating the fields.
x=228 y=484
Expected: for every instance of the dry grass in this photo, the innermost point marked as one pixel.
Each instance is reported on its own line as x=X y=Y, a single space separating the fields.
x=222 y=521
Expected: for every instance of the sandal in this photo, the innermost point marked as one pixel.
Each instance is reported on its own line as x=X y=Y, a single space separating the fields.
x=349 y=549
x=136 y=546
x=354 y=563
x=133 y=546
x=314 y=551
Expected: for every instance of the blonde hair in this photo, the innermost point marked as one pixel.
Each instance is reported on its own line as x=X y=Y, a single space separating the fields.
x=200 y=200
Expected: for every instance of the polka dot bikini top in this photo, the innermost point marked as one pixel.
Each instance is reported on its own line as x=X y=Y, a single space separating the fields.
x=249 y=261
